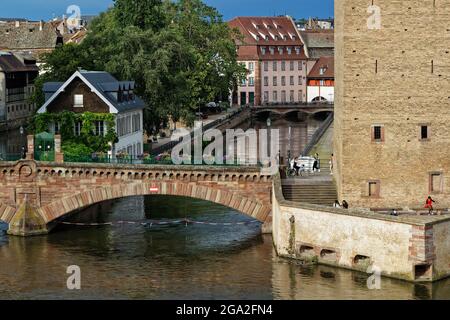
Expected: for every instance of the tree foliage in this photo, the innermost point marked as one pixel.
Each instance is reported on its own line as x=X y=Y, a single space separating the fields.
x=181 y=55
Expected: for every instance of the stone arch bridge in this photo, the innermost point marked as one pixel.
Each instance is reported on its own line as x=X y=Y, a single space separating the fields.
x=35 y=195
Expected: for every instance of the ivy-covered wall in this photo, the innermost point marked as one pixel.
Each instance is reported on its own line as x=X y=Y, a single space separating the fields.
x=86 y=142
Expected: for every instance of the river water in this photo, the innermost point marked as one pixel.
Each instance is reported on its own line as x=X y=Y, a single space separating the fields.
x=199 y=261
x=176 y=261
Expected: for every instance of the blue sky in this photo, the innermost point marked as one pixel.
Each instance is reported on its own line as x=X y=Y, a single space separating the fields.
x=46 y=9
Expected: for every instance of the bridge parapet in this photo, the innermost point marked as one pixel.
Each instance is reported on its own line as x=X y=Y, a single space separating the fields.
x=55 y=190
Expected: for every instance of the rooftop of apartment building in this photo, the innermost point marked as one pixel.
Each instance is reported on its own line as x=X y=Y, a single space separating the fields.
x=267 y=30
x=323 y=69
x=268 y=38
x=18 y=35
x=321 y=38
x=17 y=62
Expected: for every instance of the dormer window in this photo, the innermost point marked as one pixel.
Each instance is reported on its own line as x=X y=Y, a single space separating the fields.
x=267 y=38
x=322 y=70
x=78 y=101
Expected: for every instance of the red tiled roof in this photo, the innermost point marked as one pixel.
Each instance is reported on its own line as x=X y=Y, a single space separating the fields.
x=323 y=62
x=275 y=32
x=269 y=31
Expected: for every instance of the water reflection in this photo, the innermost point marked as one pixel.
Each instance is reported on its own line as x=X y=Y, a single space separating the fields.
x=178 y=262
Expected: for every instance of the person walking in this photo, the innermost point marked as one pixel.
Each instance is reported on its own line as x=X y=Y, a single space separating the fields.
x=429 y=205
x=316 y=164
x=331 y=164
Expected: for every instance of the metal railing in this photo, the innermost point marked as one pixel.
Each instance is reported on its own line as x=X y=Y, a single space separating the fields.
x=10 y=156
x=318 y=134
x=149 y=160
x=294 y=104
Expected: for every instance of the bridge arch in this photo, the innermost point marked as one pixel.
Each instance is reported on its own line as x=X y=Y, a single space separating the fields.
x=6 y=212
x=246 y=205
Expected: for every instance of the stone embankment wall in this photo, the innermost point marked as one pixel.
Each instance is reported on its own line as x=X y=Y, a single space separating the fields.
x=407 y=247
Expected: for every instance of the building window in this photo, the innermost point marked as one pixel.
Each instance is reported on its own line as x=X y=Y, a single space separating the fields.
x=291 y=96
x=251 y=81
x=99 y=128
x=275 y=96
x=271 y=49
x=297 y=50
x=77 y=128
x=291 y=81
x=291 y=65
x=289 y=50
x=266 y=96
x=251 y=66
x=56 y=128
x=436 y=182
x=243 y=82
x=275 y=81
x=275 y=66
x=377 y=133
x=266 y=81
x=263 y=50
x=283 y=80
x=300 y=80
x=283 y=96
x=283 y=65
x=300 y=65
x=424 y=132
x=78 y=100
x=136 y=122
x=266 y=66
x=300 y=95
x=374 y=189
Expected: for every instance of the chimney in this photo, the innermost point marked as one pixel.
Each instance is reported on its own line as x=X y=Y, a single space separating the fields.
x=41 y=25
x=17 y=24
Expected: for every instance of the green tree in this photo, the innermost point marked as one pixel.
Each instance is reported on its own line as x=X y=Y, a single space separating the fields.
x=181 y=55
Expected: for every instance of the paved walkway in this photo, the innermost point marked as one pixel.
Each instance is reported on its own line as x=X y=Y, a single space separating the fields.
x=324 y=148
x=211 y=118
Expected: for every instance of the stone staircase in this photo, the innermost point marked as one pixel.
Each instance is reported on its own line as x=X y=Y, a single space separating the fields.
x=314 y=191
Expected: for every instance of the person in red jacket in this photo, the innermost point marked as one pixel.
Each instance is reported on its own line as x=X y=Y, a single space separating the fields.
x=429 y=205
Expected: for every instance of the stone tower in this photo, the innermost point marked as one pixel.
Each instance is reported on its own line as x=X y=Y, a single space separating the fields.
x=392 y=108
